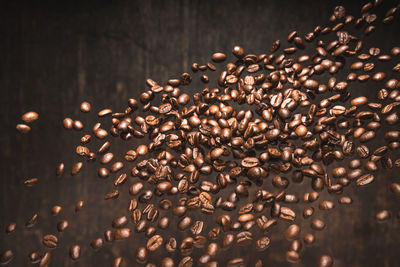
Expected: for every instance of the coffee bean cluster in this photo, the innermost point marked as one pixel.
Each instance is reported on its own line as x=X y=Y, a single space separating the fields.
x=235 y=150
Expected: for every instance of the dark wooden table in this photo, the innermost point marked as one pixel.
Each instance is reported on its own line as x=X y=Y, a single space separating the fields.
x=55 y=54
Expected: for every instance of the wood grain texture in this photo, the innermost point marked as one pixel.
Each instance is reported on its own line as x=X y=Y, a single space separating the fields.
x=56 y=54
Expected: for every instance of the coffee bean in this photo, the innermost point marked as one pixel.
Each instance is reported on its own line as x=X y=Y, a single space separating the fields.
x=345 y=200
x=236 y=262
x=309 y=238
x=383 y=215
x=292 y=256
x=122 y=233
x=154 y=242
x=184 y=223
x=75 y=252
x=34 y=257
x=117 y=262
x=218 y=57
x=50 y=241
x=32 y=221
x=30 y=116
x=85 y=106
x=238 y=51
x=11 y=227
x=62 y=225
x=262 y=243
x=186 y=262
x=326 y=205
x=317 y=224
x=171 y=244
x=244 y=238
x=167 y=262
x=23 y=128
x=119 y=222
x=97 y=243
x=365 y=179
x=292 y=231
x=45 y=261
x=6 y=256
x=76 y=168
x=141 y=255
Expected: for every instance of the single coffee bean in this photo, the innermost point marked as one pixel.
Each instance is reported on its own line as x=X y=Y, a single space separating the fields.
x=6 y=256
x=85 y=106
x=383 y=215
x=292 y=231
x=326 y=205
x=122 y=233
x=50 y=241
x=262 y=243
x=154 y=242
x=30 y=116
x=23 y=128
x=75 y=252
x=325 y=261
x=317 y=224
x=218 y=57
x=11 y=227
x=97 y=243
x=244 y=238
x=62 y=225
x=45 y=261
x=365 y=179
x=34 y=257
x=119 y=222
x=345 y=200
x=309 y=238
x=141 y=255
x=292 y=256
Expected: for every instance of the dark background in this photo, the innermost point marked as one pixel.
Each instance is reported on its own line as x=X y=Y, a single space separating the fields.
x=56 y=54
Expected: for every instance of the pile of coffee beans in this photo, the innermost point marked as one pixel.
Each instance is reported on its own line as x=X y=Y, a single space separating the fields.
x=235 y=150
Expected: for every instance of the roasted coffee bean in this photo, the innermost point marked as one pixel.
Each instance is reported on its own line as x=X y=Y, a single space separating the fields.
x=262 y=243
x=50 y=241
x=11 y=227
x=309 y=238
x=62 y=225
x=141 y=255
x=23 y=128
x=32 y=221
x=6 y=256
x=218 y=57
x=186 y=262
x=120 y=222
x=292 y=256
x=345 y=200
x=184 y=223
x=30 y=116
x=117 y=262
x=122 y=233
x=154 y=242
x=317 y=224
x=85 y=106
x=34 y=257
x=326 y=205
x=325 y=261
x=45 y=261
x=292 y=231
x=365 y=179
x=383 y=215
x=244 y=238
x=308 y=212
x=75 y=252
x=97 y=243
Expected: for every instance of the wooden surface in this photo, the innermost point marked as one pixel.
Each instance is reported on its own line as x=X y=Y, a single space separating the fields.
x=55 y=54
